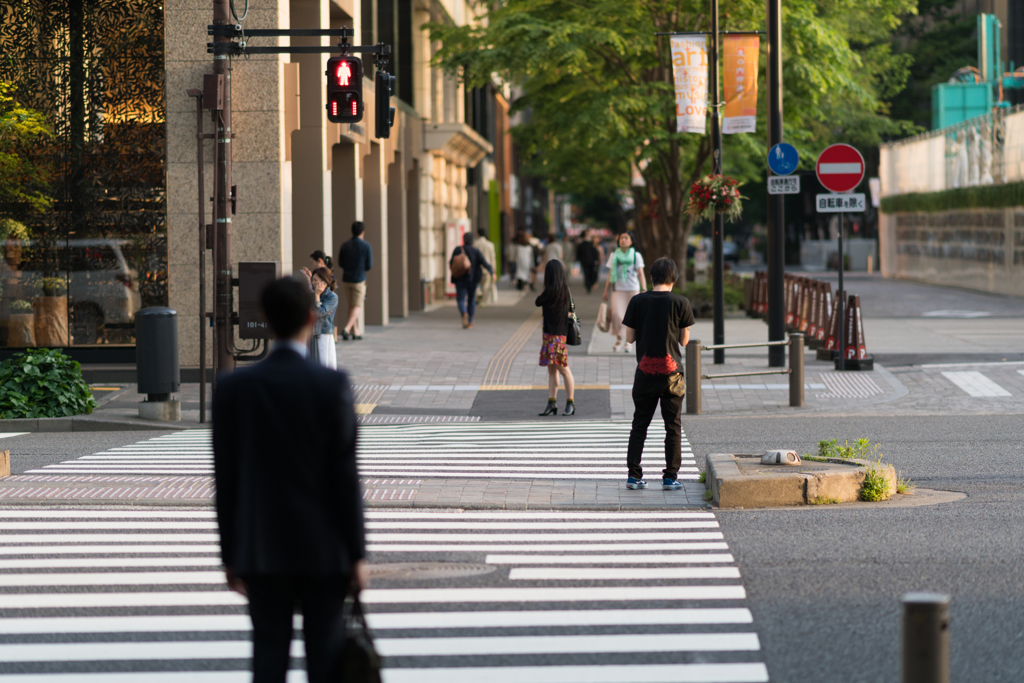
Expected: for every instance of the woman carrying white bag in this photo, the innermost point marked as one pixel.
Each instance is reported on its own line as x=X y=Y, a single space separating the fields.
x=626 y=272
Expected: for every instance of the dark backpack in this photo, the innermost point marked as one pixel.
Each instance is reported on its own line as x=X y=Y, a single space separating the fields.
x=460 y=264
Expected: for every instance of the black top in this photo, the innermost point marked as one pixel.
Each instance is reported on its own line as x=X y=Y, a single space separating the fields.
x=355 y=258
x=284 y=454
x=476 y=261
x=556 y=314
x=658 y=319
x=587 y=253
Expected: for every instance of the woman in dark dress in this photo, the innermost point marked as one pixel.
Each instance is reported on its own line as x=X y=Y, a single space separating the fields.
x=553 y=352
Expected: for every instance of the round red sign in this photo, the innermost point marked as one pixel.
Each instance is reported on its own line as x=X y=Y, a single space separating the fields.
x=840 y=168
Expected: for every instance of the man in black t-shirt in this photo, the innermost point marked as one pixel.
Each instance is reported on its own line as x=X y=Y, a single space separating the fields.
x=659 y=322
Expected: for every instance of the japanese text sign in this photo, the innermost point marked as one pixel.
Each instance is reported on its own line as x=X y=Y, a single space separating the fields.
x=740 y=76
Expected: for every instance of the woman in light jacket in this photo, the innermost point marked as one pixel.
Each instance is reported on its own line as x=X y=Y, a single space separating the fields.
x=626 y=272
x=325 y=303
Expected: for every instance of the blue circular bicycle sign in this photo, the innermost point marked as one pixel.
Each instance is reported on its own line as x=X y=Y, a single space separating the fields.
x=783 y=159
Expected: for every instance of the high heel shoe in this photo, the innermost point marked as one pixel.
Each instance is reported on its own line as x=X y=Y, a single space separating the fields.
x=552 y=409
x=570 y=407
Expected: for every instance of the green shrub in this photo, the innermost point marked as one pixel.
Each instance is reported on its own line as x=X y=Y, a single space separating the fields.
x=979 y=197
x=43 y=383
x=876 y=485
x=702 y=300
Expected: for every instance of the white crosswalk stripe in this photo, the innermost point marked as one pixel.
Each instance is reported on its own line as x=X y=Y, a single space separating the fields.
x=976 y=384
x=512 y=450
x=73 y=609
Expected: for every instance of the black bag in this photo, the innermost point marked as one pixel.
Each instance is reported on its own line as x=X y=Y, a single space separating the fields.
x=358 y=661
x=574 y=336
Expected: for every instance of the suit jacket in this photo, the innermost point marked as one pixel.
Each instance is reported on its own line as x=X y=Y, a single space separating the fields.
x=486 y=249
x=284 y=451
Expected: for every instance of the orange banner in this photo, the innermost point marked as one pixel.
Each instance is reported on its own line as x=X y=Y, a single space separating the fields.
x=740 y=76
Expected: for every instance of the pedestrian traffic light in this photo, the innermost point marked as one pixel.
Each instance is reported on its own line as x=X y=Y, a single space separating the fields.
x=384 y=112
x=344 y=89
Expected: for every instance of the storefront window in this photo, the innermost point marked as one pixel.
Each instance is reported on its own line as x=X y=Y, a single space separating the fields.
x=75 y=273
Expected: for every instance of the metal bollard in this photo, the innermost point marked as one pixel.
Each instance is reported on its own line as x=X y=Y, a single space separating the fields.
x=796 y=370
x=693 y=377
x=925 y=638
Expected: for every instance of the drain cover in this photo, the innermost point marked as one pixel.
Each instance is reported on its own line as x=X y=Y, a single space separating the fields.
x=428 y=570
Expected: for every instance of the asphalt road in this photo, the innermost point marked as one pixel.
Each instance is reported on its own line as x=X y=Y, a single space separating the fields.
x=824 y=584
x=35 y=450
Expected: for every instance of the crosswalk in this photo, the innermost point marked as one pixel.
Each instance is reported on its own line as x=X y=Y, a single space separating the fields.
x=115 y=594
x=976 y=384
x=509 y=450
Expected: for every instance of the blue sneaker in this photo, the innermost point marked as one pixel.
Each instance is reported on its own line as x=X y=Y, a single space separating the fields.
x=671 y=484
x=632 y=483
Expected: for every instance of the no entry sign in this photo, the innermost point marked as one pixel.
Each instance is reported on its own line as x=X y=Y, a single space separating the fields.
x=840 y=168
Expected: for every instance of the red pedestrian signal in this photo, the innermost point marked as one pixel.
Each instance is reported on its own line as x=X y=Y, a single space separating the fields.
x=344 y=89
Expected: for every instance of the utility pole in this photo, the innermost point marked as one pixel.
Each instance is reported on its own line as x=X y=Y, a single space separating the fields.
x=718 y=225
x=776 y=208
x=223 y=204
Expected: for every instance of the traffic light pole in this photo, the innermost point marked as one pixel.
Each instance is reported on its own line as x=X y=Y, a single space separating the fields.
x=776 y=208
x=718 y=226
x=222 y=209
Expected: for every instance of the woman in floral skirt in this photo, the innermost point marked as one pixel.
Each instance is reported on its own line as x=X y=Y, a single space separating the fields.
x=555 y=301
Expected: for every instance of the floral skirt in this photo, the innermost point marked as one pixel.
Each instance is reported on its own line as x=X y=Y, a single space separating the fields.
x=553 y=351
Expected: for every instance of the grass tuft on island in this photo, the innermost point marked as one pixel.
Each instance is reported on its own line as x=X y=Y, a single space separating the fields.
x=876 y=485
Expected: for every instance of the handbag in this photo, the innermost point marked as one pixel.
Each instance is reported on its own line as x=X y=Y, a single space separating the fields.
x=358 y=661
x=677 y=384
x=573 y=336
x=603 y=322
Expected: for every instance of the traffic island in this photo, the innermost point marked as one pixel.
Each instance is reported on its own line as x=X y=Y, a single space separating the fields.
x=743 y=481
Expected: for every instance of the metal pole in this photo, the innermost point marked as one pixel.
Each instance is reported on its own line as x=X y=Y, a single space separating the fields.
x=718 y=225
x=776 y=208
x=796 y=370
x=925 y=638
x=693 y=377
x=222 y=208
x=202 y=255
x=841 y=342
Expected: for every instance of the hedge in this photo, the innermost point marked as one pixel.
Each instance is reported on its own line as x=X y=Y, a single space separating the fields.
x=978 y=197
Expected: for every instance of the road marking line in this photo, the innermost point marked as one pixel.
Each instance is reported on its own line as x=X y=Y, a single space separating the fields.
x=534 y=547
x=113 y=579
x=108 y=549
x=509 y=475
x=12 y=539
x=101 y=514
x=568 y=537
x=976 y=384
x=620 y=573
x=64 y=526
x=130 y=599
x=468 y=514
x=631 y=673
x=548 y=644
x=116 y=562
x=606 y=559
x=101 y=651
x=375 y=596
x=537 y=526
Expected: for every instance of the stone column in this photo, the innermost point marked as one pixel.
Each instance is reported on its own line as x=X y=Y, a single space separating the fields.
x=347 y=194
x=261 y=229
x=312 y=227
x=375 y=218
x=398 y=244
x=412 y=228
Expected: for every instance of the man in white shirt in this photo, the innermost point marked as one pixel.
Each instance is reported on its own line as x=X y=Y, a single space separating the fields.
x=489 y=284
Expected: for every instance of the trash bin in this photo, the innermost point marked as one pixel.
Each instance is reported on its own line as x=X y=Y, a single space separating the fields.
x=156 y=362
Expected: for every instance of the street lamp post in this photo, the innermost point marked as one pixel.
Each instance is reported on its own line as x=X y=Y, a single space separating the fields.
x=776 y=208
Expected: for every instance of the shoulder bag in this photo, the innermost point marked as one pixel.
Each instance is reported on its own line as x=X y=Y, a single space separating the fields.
x=461 y=264
x=574 y=336
x=358 y=661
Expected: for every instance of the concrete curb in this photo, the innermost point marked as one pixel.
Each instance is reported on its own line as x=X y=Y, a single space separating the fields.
x=788 y=486
x=82 y=423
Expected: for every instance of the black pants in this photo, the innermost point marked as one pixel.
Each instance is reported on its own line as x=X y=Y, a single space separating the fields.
x=590 y=271
x=648 y=390
x=272 y=602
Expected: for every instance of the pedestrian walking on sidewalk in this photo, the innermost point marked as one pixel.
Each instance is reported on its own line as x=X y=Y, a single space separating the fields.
x=555 y=301
x=355 y=258
x=489 y=283
x=524 y=260
x=467 y=265
x=589 y=256
x=289 y=535
x=659 y=322
x=626 y=272
x=325 y=304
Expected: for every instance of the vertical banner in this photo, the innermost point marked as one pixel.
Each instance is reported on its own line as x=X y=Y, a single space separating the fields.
x=690 y=72
x=740 y=75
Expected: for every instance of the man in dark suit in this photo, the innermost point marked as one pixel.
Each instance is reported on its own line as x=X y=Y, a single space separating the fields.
x=466 y=283
x=288 y=499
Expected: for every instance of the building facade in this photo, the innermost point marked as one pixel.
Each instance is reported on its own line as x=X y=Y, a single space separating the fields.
x=126 y=186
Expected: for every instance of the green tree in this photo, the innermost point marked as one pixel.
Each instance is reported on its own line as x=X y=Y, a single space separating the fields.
x=597 y=83
x=23 y=180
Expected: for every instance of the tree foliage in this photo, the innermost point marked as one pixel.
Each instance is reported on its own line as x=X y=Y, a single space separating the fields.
x=23 y=181
x=596 y=85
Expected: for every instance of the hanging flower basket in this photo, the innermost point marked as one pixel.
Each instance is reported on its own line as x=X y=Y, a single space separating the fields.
x=715 y=194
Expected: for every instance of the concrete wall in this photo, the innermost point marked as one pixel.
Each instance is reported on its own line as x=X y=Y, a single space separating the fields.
x=978 y=249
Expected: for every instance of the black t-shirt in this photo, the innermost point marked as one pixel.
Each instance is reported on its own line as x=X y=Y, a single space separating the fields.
x=556 y=313
x=658 y=319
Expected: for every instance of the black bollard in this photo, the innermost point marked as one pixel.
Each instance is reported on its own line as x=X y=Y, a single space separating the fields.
x=925 y=638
